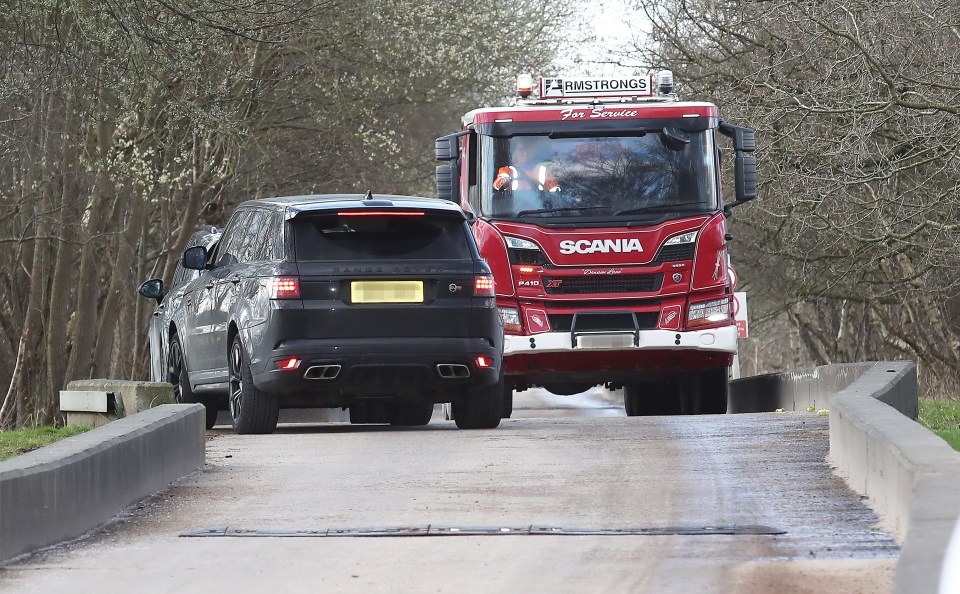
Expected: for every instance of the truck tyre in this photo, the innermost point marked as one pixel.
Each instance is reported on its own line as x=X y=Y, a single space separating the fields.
x=642 y=399
x=182 y=392
x=369 y=413
x=252 y=410
x=481 y=409
x=507 y=400
x=410 y=414
x=714 y=385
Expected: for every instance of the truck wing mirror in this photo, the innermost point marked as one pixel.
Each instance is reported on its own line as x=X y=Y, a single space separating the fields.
x=744 y=139
x=447 y=147
x=745 y=174
x=446 y=182
x=744 y=165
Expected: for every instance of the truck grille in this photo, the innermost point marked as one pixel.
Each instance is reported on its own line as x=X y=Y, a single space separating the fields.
x=622 y=283
x=528 y=257
x=599 y=321
x=675 y=253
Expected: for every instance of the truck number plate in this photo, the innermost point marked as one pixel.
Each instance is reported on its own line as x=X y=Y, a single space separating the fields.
x=386 y=291
x=605 y=341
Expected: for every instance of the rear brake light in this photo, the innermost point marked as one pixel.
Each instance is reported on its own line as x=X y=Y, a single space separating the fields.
x=483 y=361
x=289 y=364
x=284 y=288
x=483 y=286
x=380 y=213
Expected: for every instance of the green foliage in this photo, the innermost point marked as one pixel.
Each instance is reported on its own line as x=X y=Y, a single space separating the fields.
x=943 y=418
x=14 y=443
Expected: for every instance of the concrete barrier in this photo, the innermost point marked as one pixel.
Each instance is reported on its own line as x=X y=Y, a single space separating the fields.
x=910 y=476
x=68 y=488
x=133 y=397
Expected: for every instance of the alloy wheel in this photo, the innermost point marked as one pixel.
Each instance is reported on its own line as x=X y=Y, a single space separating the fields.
x=236 y=387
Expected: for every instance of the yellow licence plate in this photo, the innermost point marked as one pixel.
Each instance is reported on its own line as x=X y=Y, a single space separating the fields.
x=386 y=291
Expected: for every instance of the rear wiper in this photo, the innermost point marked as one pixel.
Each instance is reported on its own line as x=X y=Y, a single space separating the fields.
x=629 y=211
x=524 y=213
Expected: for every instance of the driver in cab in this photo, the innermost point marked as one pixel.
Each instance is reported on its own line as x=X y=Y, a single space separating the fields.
x=530 y=170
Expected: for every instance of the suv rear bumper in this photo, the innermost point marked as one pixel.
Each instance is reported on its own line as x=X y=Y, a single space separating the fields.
x=381 y=367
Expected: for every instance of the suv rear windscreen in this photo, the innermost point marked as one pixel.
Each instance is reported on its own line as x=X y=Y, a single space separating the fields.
x=380 y=237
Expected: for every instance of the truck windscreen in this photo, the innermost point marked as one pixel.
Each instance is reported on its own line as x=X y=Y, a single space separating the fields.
x=598 y=178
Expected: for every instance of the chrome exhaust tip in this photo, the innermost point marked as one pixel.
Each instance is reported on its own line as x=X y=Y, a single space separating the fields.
x=321 y=372
x=453 y=371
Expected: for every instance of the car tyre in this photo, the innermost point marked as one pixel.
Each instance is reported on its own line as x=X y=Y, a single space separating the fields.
x=481 y=409
x=252 y=410
x=182 y=392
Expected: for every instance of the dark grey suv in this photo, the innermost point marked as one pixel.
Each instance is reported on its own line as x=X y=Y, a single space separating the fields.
x=166 y=350
x=380 y=305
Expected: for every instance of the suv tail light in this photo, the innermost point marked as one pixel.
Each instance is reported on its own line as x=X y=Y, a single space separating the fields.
x=284 y=287
x=483 y=286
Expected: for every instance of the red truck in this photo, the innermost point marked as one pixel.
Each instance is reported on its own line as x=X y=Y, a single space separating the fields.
x=598 y=205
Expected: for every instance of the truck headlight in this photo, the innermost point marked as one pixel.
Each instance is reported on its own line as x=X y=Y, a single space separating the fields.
x=708 y=313
x=681 y=239
x=520 y=244
x=510 y=316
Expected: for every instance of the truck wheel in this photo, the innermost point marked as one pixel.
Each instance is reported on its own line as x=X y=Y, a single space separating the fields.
x=714 y=384
x=507 y=400
x=642 y=399
x=481 y=409
x=369 y=413
x=252 y=410
x=410 y=413
x=182 y=392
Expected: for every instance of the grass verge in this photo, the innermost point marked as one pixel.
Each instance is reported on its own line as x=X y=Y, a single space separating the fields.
x=14 y=443
x=942 y=417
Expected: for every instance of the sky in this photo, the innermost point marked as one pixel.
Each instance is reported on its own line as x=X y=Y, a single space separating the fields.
x=613 y=25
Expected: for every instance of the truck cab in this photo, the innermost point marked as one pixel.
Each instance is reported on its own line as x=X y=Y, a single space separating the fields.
x=599 y=207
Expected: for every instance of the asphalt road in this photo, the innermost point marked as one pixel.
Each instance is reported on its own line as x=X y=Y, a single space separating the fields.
x=734 y=503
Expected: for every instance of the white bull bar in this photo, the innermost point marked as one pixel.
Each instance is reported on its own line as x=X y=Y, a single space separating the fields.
x=722 y=340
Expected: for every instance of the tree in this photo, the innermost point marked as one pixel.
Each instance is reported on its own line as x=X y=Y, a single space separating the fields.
x=127 y=125
x=852 y=249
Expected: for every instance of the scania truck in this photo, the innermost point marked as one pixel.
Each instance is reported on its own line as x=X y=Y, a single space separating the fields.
x=599 y=205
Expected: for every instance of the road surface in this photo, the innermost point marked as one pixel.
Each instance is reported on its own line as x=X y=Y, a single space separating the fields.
x=730 y=503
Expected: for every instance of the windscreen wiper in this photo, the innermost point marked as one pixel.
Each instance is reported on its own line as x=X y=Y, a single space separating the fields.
x=524 y=213
x=638 y=210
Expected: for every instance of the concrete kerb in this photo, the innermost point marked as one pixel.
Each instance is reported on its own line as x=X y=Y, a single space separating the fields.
x=910 y=476
x=66 y=489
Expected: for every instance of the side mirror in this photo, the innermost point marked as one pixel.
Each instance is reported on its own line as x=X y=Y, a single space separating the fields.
x=744 y=165
x=447 y=148
x=745 y=177
x=152 y=289
x=744 y=139
x=446 y=182
x=195 y=258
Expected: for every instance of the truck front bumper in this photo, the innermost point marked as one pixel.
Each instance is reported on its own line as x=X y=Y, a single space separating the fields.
x=719 y=340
